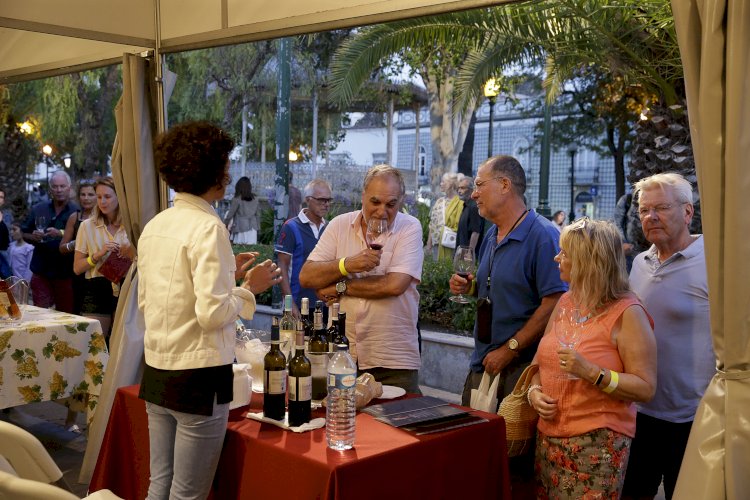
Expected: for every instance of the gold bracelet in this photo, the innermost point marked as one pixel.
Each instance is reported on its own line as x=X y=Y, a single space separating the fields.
x=342 y=268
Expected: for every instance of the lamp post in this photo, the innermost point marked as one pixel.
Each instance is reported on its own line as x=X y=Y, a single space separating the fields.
x=572 y=150
x=47 y=150
x=67 y=161
x=491 y=89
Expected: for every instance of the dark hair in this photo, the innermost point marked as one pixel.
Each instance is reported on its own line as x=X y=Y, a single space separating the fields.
x=191 y=157
x=244 y=189
x=85 y=183
x=509 y=167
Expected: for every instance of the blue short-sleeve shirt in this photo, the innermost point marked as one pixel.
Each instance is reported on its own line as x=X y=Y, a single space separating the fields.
x=298 y=241
x=523 y=272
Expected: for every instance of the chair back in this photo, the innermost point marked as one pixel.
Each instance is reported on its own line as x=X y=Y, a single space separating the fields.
x=26 y=455
x=19 y=488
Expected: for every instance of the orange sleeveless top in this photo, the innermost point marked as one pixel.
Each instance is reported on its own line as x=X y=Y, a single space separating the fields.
x=583 y=407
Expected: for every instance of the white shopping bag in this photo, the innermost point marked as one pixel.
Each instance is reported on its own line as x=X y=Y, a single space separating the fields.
x=485 y=397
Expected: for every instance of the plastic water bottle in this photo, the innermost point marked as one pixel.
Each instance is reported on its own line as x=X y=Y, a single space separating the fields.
x=341 y=410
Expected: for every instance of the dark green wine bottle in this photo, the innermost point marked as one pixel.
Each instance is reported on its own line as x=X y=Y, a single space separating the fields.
x=318 y=353
x=300 y=383
x=333 y=331
x=274 y=377
x=341 y=335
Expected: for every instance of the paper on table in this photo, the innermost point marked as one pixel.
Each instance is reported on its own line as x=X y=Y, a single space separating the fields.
x=315 y=423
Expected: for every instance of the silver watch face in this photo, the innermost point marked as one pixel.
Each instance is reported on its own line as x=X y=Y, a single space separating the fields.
x=512 y=344
x=341 y=287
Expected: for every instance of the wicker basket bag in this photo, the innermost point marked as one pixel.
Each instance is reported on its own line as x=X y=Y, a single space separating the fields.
x=520 y=417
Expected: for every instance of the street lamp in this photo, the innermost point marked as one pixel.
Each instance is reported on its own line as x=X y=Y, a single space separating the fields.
x=67 y=161
x=572 y=150
x=47 y=150
x=491 y=89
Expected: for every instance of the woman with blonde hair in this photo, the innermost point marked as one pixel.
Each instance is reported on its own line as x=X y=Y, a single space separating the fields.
x=585 y=389
x=444 y=216
x=98 y=236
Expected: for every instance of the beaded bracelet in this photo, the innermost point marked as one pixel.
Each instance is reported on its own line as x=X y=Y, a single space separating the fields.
x=535 y=387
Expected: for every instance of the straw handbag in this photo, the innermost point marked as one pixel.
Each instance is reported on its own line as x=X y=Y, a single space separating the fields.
x=520 y=417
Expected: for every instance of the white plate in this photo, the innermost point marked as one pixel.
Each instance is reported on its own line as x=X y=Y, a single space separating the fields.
x=391 y=391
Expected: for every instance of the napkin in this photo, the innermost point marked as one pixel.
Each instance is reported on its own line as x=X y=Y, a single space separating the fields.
x=315 y=423
x=241 y=386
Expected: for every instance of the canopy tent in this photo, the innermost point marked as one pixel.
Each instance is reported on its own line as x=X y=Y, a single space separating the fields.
x=40 y=38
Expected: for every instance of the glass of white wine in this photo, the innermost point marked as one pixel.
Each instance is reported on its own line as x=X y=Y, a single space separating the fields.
x=568 y=329
x=463 y=265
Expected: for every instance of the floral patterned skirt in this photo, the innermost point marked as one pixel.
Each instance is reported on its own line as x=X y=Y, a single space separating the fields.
x=589 y=466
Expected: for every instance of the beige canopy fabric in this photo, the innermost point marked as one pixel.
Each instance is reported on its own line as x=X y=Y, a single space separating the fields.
x=137 y=188
x=714 y=39
x=40 y=38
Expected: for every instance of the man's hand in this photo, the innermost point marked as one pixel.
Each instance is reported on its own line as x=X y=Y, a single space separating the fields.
x=498 y=359
x=243 y=261
x=460 y=285
x=261 y=277
x=53 y=233
x=329 y=295
x=364 y=261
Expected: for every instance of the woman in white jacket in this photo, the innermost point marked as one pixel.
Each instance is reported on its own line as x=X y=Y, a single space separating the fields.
x=187 y=275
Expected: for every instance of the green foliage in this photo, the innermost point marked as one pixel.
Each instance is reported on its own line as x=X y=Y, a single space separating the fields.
x=266 y=253
x=265 y=235
x=435 y=306
x=423 y=214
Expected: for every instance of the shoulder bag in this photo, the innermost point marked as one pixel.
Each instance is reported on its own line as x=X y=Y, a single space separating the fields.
x=520 y=417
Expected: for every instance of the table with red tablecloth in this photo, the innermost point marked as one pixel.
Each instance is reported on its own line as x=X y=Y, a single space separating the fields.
x=260 y=460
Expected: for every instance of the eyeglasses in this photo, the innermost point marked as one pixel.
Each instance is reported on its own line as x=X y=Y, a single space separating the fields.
x=659 y=209
x=478 y=184
x=322 y=200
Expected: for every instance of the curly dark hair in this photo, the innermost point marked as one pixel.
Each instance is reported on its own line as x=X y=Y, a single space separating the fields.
x=191 y=157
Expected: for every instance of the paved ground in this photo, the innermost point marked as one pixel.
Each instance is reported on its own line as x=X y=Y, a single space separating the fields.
x=45 y=420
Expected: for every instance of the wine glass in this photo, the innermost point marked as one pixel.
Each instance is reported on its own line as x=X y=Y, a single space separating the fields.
x=377 y=231
x=569 y=327
x=463 y=265
x=41 y=224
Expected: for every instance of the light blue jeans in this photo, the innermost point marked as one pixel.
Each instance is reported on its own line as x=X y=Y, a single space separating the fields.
x=185 y=450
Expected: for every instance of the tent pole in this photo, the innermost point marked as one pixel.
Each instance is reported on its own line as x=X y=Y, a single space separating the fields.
x=161 y=112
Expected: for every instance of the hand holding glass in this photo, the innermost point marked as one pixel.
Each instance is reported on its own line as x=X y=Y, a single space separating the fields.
x=41 y=224
x=463 y=265
x=569 y=328
x=377 y=230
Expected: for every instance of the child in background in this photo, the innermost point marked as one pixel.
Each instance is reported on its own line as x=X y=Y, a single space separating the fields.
x=20 y=253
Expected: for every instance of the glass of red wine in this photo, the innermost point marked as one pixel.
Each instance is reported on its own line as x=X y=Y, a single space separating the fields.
x=463 y=265
x=377 y=231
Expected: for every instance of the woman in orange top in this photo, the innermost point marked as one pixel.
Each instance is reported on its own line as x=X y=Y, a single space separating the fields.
x=584 y=394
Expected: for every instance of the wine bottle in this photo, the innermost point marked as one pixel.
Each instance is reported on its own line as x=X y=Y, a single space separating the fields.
x=300 y=383
x=341 y=337
x=307 y=319
x=287 y=327
x=274 y=377
x=333 y=330
x=318 y=353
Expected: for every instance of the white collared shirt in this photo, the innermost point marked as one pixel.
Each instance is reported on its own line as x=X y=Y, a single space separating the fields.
x=306 y=220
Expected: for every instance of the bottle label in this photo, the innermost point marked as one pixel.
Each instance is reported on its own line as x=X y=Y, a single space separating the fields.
x=318 y=364
x=275 y=382
x=342 y=380
x=300 y=388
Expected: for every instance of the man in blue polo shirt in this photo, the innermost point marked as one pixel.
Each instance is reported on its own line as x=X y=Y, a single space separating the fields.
x=517 y=254
x=298 y=237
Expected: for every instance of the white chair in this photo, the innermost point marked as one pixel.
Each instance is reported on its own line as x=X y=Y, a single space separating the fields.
x=34 y=469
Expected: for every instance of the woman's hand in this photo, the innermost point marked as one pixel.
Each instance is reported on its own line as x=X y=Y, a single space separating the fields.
x=544 y=405
x=572 y=362
x=243 y=261
x=460 y=285
x=263 y=276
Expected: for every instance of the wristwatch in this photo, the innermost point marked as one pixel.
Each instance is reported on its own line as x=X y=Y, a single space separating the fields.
x=513 y=346
x=341 y=287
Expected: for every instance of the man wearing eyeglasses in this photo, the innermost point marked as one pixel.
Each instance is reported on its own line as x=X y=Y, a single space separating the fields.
x=670 y=279
x=298 y=237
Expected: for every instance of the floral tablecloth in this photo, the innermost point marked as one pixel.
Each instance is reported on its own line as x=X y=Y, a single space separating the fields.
x=50 y=355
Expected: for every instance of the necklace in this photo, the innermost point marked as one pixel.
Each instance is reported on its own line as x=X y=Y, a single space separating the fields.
x=513 y=226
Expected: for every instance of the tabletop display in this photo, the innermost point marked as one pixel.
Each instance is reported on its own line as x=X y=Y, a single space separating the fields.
x=50 y=355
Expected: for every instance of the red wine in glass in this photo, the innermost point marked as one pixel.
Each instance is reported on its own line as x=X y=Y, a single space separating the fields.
x=463 y=275
x=463 y=265
x=377 y=231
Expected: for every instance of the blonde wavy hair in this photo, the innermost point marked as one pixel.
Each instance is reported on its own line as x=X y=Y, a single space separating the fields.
x=598 y=274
